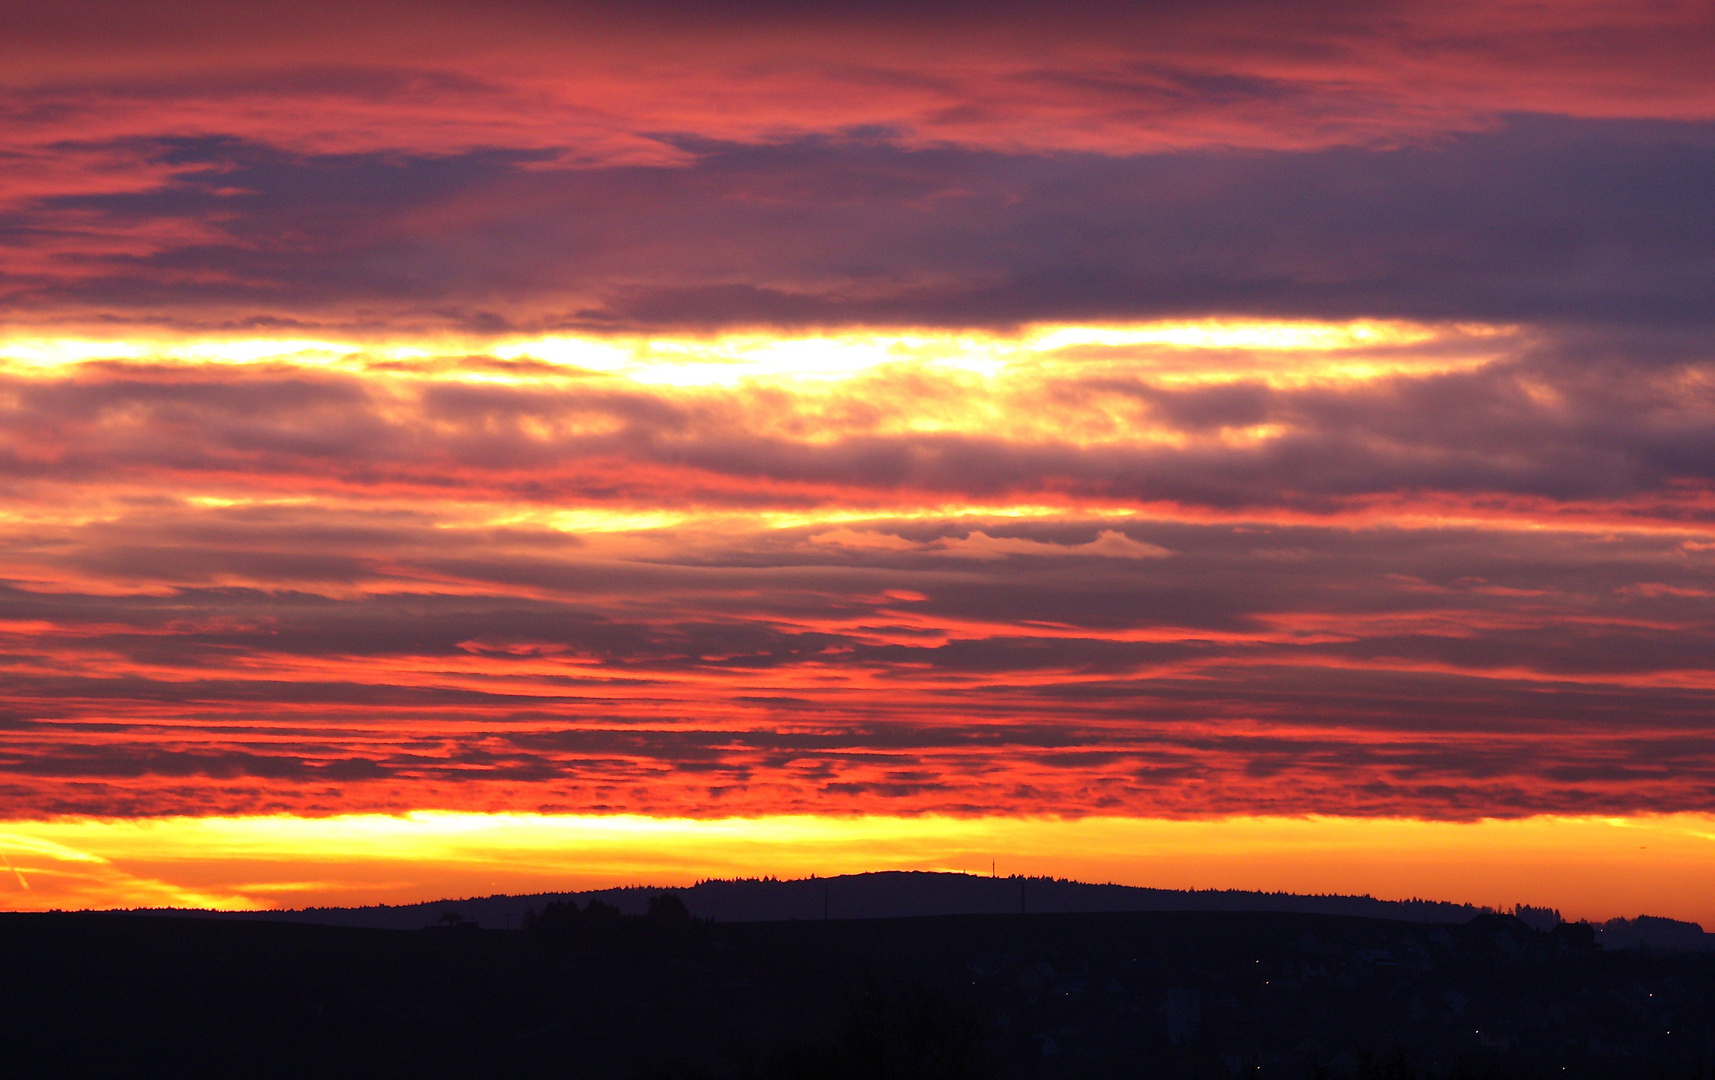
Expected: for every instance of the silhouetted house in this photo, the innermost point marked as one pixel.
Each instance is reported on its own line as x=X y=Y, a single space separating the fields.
x=1654 y=932
x=1184 y=1007
x=1574 y=935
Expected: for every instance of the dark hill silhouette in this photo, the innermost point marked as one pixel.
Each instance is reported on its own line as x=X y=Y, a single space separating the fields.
x=880 y=895
x=900 y=893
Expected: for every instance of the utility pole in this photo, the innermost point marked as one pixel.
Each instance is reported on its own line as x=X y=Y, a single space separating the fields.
x=824 y=899
x=1021 y=908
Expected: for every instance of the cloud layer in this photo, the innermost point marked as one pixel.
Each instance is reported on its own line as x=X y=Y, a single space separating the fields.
x=1473 y=583
x=750 y=409
x=535 y=165
x=221 y=233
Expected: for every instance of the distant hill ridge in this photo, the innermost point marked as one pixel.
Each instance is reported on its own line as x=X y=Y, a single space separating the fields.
x=880 y=895
x=904 y=893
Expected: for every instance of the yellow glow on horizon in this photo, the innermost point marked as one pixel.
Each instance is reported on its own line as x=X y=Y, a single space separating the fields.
x=1174 y=352
x=1587 y=866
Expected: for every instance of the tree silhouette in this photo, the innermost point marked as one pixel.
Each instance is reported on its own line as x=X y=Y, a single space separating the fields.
x=601 y=914
x=666 y=909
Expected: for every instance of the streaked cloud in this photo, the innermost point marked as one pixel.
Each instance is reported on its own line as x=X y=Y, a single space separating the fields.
x=1446 y=587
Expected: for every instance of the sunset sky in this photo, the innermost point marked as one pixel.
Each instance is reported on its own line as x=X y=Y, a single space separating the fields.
x=454 y=448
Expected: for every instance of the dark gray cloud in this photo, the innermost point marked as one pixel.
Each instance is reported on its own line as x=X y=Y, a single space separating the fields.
x=1542 y=219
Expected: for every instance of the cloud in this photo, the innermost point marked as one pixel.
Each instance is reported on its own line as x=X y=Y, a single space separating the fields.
x=1109 y=543
x=219 y=232
x=699 y=410
x=1089 y=77
x=1423 y=671
x=1557 y=427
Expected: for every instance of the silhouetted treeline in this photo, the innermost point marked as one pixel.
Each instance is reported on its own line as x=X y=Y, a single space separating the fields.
x=665 y=923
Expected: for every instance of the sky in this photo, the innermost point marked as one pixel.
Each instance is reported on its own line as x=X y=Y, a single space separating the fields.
x=1194 y=445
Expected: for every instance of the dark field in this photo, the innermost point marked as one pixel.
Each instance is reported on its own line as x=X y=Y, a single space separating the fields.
x=1157 y=994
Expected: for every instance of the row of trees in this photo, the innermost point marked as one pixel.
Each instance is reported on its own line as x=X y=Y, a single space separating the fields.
x=563 y=918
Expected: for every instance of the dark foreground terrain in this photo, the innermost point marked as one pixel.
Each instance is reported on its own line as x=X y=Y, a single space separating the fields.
x=596 y=994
